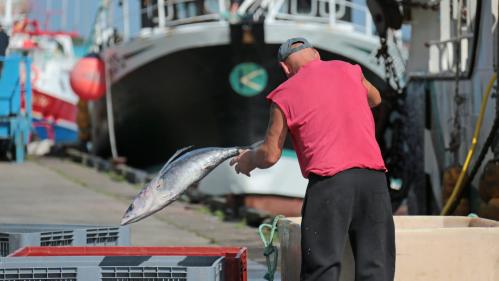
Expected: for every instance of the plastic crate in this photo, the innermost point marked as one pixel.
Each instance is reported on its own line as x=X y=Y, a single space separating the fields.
x=15 y=236
x=235 y=258
x=109 y=268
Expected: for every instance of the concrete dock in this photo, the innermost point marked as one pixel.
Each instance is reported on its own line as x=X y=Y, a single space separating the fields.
x=53 y=190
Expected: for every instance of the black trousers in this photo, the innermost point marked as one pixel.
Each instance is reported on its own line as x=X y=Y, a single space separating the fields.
x=356 y=203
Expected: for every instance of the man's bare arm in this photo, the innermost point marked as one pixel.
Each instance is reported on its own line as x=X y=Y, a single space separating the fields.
x=269 y=152
x=373 y=95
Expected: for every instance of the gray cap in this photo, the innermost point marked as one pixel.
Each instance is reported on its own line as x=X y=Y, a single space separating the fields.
x=286 y=48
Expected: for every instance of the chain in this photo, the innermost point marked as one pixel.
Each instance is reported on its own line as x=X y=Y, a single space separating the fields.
x=459 y=99
x=390 y=71
x=455 y=141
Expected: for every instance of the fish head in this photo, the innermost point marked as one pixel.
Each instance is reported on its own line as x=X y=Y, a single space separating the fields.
x=149 y=200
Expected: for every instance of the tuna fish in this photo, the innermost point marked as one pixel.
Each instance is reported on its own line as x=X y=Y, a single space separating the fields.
x=174 y=178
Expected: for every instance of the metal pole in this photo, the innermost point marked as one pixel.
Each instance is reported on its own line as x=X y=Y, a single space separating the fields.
x=369 y=22
x=110 y=114
x=221 y=6
x=457 y=96
x=332 y=12
x=28 y=87
x=86 y=20
x=161 y=14
x=103 y=23
x=495 y=142
x=495 y=49
x=107 y=77
x=76 y=14
x=126 y=20
x=64 y=14
x=110 y=15
x=8 y=14
x=48 y=12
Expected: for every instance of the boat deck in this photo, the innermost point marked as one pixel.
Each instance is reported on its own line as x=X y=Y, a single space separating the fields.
x=50 y=190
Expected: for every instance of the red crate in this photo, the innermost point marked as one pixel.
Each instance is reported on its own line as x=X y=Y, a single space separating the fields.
x=235 y=258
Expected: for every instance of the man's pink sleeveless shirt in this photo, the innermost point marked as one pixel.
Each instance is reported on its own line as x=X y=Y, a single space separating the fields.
x=329 y=118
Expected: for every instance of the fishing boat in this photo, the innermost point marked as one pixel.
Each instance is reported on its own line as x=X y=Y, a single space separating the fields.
x=54 y=102
x=451 y=79
x=200 y=78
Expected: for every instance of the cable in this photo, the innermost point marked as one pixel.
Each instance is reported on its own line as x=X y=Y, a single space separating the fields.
x=460 y=180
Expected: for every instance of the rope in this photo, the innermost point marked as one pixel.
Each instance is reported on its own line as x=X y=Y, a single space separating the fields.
x=270 y=251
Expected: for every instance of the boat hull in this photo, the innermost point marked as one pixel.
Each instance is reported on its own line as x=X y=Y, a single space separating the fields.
x=54 y=118
x=187 y=98
x=207 y=96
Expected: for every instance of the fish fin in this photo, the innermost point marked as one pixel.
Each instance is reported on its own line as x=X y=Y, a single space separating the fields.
x=174 y=156
x=253 y=146
x=210 y=166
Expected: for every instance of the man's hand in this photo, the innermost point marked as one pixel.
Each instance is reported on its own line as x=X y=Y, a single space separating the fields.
x=244 y=162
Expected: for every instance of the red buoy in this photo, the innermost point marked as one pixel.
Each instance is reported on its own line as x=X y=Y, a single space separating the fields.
x=88 y=78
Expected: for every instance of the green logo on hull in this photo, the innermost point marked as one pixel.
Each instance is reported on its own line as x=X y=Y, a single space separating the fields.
x=248 y=79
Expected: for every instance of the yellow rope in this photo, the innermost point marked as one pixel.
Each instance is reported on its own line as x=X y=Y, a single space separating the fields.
x=460 y=180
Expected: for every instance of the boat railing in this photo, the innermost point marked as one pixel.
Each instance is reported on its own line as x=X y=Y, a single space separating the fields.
x=452 y=53
x=178 y=12
x=171 y=13
x=346 y=15
x=442 y=54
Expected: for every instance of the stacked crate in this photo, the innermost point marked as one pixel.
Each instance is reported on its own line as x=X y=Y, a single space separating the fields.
x=125 y=264
x=105 y=268
x=62 y=253
x=15 y=236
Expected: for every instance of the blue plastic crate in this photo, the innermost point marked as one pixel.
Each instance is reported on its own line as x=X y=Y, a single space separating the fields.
x=125 y=268
x=16 y=236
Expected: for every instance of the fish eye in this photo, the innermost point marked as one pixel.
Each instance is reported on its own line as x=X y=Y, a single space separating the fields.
x=130 y=208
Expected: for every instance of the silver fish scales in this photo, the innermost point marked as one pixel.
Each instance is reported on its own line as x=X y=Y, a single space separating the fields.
x=174 y=178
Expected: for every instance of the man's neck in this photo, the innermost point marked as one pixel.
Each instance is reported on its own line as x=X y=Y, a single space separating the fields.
x=306 y=63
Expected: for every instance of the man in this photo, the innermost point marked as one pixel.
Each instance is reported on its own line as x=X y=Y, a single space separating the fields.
x=325 y=105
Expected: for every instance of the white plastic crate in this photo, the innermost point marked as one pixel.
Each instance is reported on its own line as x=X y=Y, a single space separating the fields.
x=15 y=236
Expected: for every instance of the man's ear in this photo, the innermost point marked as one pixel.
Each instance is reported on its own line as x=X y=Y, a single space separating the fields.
x=316 y=54
x=285 y=68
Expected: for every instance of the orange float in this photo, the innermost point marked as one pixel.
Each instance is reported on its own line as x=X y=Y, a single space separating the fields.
x=88 y=78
